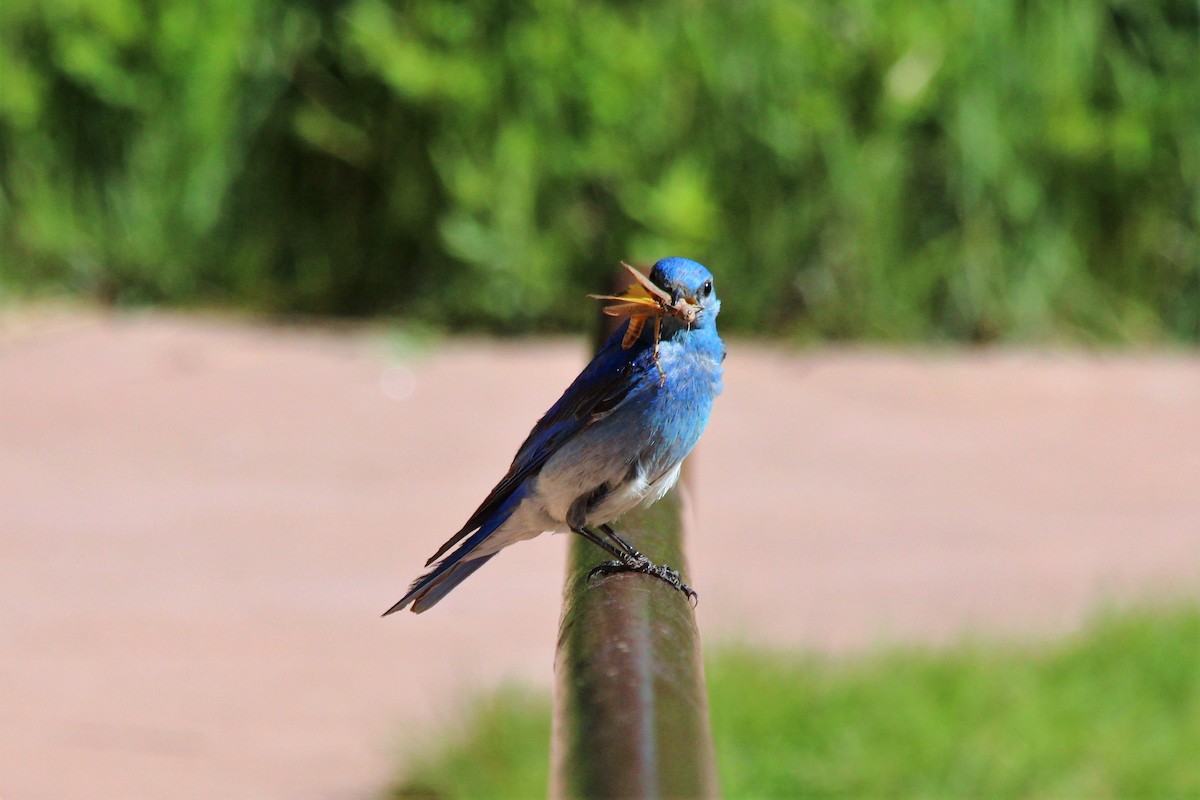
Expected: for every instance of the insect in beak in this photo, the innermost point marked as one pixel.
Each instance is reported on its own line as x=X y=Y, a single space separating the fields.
x=645 y=300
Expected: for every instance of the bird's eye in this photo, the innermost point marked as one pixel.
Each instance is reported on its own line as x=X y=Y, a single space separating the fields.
x=706 y=289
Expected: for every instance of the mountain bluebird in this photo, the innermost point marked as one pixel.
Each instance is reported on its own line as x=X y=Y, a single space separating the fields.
x=613 y=441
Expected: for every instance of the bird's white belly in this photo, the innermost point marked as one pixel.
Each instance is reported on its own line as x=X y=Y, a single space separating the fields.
x=545 y=510
x=632 y=494
x=559 y=492
x=558 y=489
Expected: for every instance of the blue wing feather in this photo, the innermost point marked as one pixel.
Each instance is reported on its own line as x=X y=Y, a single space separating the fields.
x=597 y=391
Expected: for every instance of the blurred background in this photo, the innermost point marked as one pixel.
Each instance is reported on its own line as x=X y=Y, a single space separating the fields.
x=858 y=170
x=958 y=246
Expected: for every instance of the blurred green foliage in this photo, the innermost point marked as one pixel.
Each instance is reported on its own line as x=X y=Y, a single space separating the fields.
x=1112 y=712
x=872 y=168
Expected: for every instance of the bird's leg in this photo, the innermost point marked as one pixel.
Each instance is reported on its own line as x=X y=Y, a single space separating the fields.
x=615 y=546
x=619 y=541
x=630 y=560
x=622 y=557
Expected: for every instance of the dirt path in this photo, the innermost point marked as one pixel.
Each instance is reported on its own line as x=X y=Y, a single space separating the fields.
x=201 y=521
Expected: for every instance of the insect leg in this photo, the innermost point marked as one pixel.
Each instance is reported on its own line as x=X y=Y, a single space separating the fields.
x=662 y=381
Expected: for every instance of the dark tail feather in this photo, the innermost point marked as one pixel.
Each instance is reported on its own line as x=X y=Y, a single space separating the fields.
x=456 y=567
x=428 y=589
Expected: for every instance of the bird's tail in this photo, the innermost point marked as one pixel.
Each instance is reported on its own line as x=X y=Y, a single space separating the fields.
x=455 y=568
x=427 y=590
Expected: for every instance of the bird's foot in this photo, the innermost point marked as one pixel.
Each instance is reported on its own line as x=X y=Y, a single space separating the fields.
x=645 y=566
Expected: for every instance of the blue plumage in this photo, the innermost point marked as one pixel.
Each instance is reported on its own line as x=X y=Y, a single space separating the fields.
x=613 y=441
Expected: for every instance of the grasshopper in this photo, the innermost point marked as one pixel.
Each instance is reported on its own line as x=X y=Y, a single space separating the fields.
x=645 y=300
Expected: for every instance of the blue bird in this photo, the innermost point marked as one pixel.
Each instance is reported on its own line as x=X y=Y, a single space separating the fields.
x=613 y=441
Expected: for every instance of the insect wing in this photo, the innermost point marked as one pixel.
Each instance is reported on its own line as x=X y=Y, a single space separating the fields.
x=650 y=287
x=633 y=310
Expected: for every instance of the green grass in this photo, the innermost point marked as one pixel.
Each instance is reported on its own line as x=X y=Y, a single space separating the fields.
x=501 y=750
x=1111 y=712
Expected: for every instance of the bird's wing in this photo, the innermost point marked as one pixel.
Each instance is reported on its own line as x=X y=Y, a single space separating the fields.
x=600 y=388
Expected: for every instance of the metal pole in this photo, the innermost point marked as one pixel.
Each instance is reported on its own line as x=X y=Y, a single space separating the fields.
x=630 y=710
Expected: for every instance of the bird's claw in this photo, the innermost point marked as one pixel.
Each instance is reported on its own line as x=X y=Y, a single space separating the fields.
x=608 y=568
x=672 y=577
x=647 y=567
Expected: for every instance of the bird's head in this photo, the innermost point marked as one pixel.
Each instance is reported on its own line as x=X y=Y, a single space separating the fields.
x=678 y=293
x=690 y=286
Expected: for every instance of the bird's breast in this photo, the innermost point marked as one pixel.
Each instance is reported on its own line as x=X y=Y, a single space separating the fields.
x=693 y=372
x=684 y=401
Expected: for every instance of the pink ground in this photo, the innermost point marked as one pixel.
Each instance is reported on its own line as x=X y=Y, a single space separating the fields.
x=200 y=522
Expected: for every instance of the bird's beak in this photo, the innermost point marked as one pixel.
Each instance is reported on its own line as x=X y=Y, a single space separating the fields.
x=688 y=309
